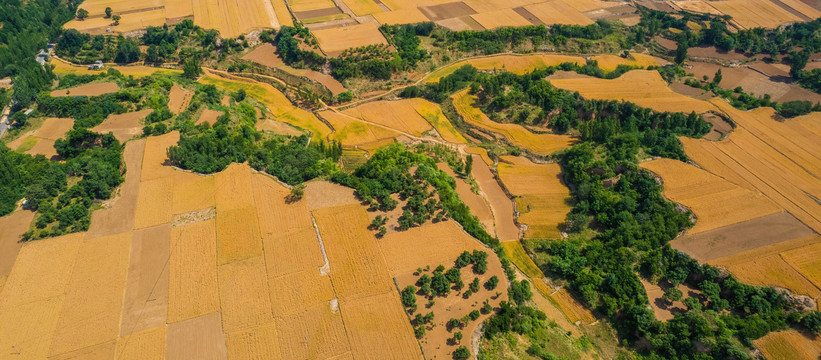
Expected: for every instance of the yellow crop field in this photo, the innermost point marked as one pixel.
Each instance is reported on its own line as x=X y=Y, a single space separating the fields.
x=558 y=12
x=129 y=22
x=770 y=270
x=767 y=156
x=482 y=152
x=148 y=344
x=232 y=188
x=806 y=260
x=357 y=266
x=697 y=6
x=295 y=292
x=572 y=308
x=28 y=269
x=93 y=89
x=28 y=328
x=611 y=62
x=378 y=328
x=308 y=5
x=519 y=257
x=755 y=13
x=433 y=114
x=322 y=325
x=517 y=64
x=62 y=68
x=282 y=108
x=715 y=201
x=232 y=19
x=237 y=235
x=293 y=251
x=400 y=115
x=276 y=217
x=402 y=16
x=192 y=192
x=335 y=40
x=789 y=344
x=500 y=18
x=192 y=289
x=94 y=295
x=363 y=7
x=256 y=343
x=154 y=202
x=644 y=87
x=543 y=201
x=429 y=244
x=155 y=155
x=244 y=297
x=516 y=134
x=353 y=132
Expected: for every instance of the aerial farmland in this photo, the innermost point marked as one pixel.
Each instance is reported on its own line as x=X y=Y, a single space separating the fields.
x=425 y=179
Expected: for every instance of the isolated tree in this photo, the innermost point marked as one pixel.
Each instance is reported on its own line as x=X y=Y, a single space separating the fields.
x=491 y=283
x=82 y=14
x=108 y=12
x=191 y=69
x=296 y=193
x=681 y=52
x=462 y=353
x=116 y=19
x=468 y=165
x=717 y=78
x=409 y=297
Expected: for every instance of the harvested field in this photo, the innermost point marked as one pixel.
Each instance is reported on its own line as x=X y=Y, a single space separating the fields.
x=232 y=188
x=358 y=268
x=460 y=24
x=12 y=227
x=148 y=344
x=756 y=78
x=363 y=7
x=477 y=204
x=192 y=192
x=238 y=235
x=611 y=62
x=697 y=6
x=743 y=236
x=321 y=194
x=643 y=87
x=429 y=244
x=178 y=99
x=402 y=16
x=446 y=11
x=123 y=126
x=780 y=160
x=378 y=329
x=130 y=22
x=104 y=351
x=433 y=114
x=94 y=89
x=517 y=64
x=198 y=338
x=146 y=289
x=506 y=229
x=154 y=202
x=335 y=40
x=807 y=260
x=543 y=201
x=557 y=12
x=233 y=19
x=276 y=217
x=322 y=325
x=118 y=217
x=308 y=5
x=400 y=115
x=258 y=342
x=41 y=140
x=94 y=295
x=789 y=344
x=155 y=156
x=574 y=311
x=769 y=270
x=266 y=55
x=353 y=132
x=500 y=18
x=244 y=295
x=28 y=328
x=755 y=13
x=293 y=293
x=192 y=266
x=715 y=201
x=515 y=134
x=482 y=152
x=282 y=108
x=209 y=116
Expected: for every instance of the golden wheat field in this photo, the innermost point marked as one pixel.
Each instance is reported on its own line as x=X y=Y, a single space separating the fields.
x=542 y=200
x=768 y=270
x=558 y=12
x=759 y=13
x=193 y=289
x=335 y=40
x=351 y=131
x=399 y=115
x=611 y=62
x=806 y=260
x=517 y=64
x=572 y=309
x=789 y=344
x=433 y=114
x=516 y=134
x=715 y=201
x=499 y=18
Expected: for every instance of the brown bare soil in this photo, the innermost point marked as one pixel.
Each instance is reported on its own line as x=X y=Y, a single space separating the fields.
x=757 y=78
x=197 y=338
x=277 y=127
x=721 y=128
x=477 y=204
x=317 y=13
x=123 y=126
x=117 y=216
x=11 y=228
x=266 y=55
x=178 y=99
x=740 y=237
x=209 y=116
x=322 y=194
x=95 y=89
x=146 y=290
x=664 y=309
x=447 y=11
x=711 y=52
x=502 y=206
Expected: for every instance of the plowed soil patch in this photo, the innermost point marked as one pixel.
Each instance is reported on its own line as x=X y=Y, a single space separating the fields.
x=146 y=290
x=500 y=204
x=477 y=204
x=209 y=116
x=123 y=126
x=178 y=99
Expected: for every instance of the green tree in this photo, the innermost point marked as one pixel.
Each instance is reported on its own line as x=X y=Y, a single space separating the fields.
x=116 y=19
x=108 y=12
x=82 y=14
x=462 y=353
x=468 y=165
x=519 y=291
x=191 y=69
x=409 y=297
x=127 y=51
x=491 y=283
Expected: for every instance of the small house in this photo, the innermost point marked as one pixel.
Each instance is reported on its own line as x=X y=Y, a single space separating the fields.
x=97 y=65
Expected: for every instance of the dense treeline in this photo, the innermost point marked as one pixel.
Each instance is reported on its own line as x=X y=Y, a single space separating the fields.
x=288 y=41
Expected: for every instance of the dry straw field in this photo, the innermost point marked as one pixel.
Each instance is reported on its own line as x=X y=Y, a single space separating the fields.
x=123 y=126
x=517 y=64
x=93 y=89
x=789 y=344
x=41 y=140
x=333 y=41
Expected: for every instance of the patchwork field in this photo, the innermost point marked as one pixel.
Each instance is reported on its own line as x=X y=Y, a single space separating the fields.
x=41 y=140
x=400 y=115
x=542 y=200
x=515 y=134
x=353 y=132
